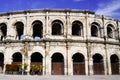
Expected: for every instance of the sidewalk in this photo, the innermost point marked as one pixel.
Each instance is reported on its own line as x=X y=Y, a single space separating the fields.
x=57 y=77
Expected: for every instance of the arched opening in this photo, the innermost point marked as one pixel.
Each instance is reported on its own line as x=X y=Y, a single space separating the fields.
x=19 y=30
x=77 y=27
x=37 y=30
x=1 y=62
x=114 y=64
x=98 y=65
x=16 y=62
x=78 y=64
x=3 y=31
x=57 y=64
x=17 y=58
x=94 y=29
x=109 y=31
x=57 y=27
x=36 y=63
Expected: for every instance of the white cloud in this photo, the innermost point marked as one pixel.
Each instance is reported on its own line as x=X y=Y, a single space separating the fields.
x=109 y=9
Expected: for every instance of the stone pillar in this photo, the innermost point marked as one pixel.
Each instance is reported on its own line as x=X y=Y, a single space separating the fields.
x=12 y=33
x=43 y=64
x=27 y=28
x=68 y=26
x=28 y=61
x=1 y=34
x=108 y=62
x=10 y=30
x=90 y=66
x=88 y=62
x=104 y=29
x=65 y=66
x=88 y=32
x=84 y=27
x=119 y=29
x=66 y=60
x=48 y=65
x=7 y=59
x=86 y=66
x=70 y=65
x=47 y=32
x=5 y=63
x=71 y=69
x=23 y=61
x=47 y=59
x=109 y=65
x=119 y=66
x=4 y=68
x=90 y=59
x=105 y=66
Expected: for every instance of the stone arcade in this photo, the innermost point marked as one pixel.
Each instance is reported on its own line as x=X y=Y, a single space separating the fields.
x=64 y=42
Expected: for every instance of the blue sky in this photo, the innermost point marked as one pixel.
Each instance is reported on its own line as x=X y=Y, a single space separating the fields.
x=102 y=7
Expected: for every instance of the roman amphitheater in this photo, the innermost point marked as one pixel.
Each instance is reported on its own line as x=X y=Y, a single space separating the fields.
x=63 y=41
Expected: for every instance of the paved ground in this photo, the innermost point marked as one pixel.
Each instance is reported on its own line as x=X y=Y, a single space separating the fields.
x=35 y=77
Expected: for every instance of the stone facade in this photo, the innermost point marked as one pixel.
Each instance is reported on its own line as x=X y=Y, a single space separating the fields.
x=71 y=38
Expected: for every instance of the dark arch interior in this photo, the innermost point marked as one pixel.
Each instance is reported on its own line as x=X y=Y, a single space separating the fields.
x=1 y=57
x=78 y=57
x=57 y=27
x=114 y=59
x=36 y=57
x=57 y=57
x=3 y=28
x=76 y=28
x=94 y=29
x=97 y=58
x=37 y=29
x=1 y=60
x=17 y=57
x=19 y=28
x=109 y=32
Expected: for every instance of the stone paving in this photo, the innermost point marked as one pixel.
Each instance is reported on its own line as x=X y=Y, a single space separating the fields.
x=35 y=77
